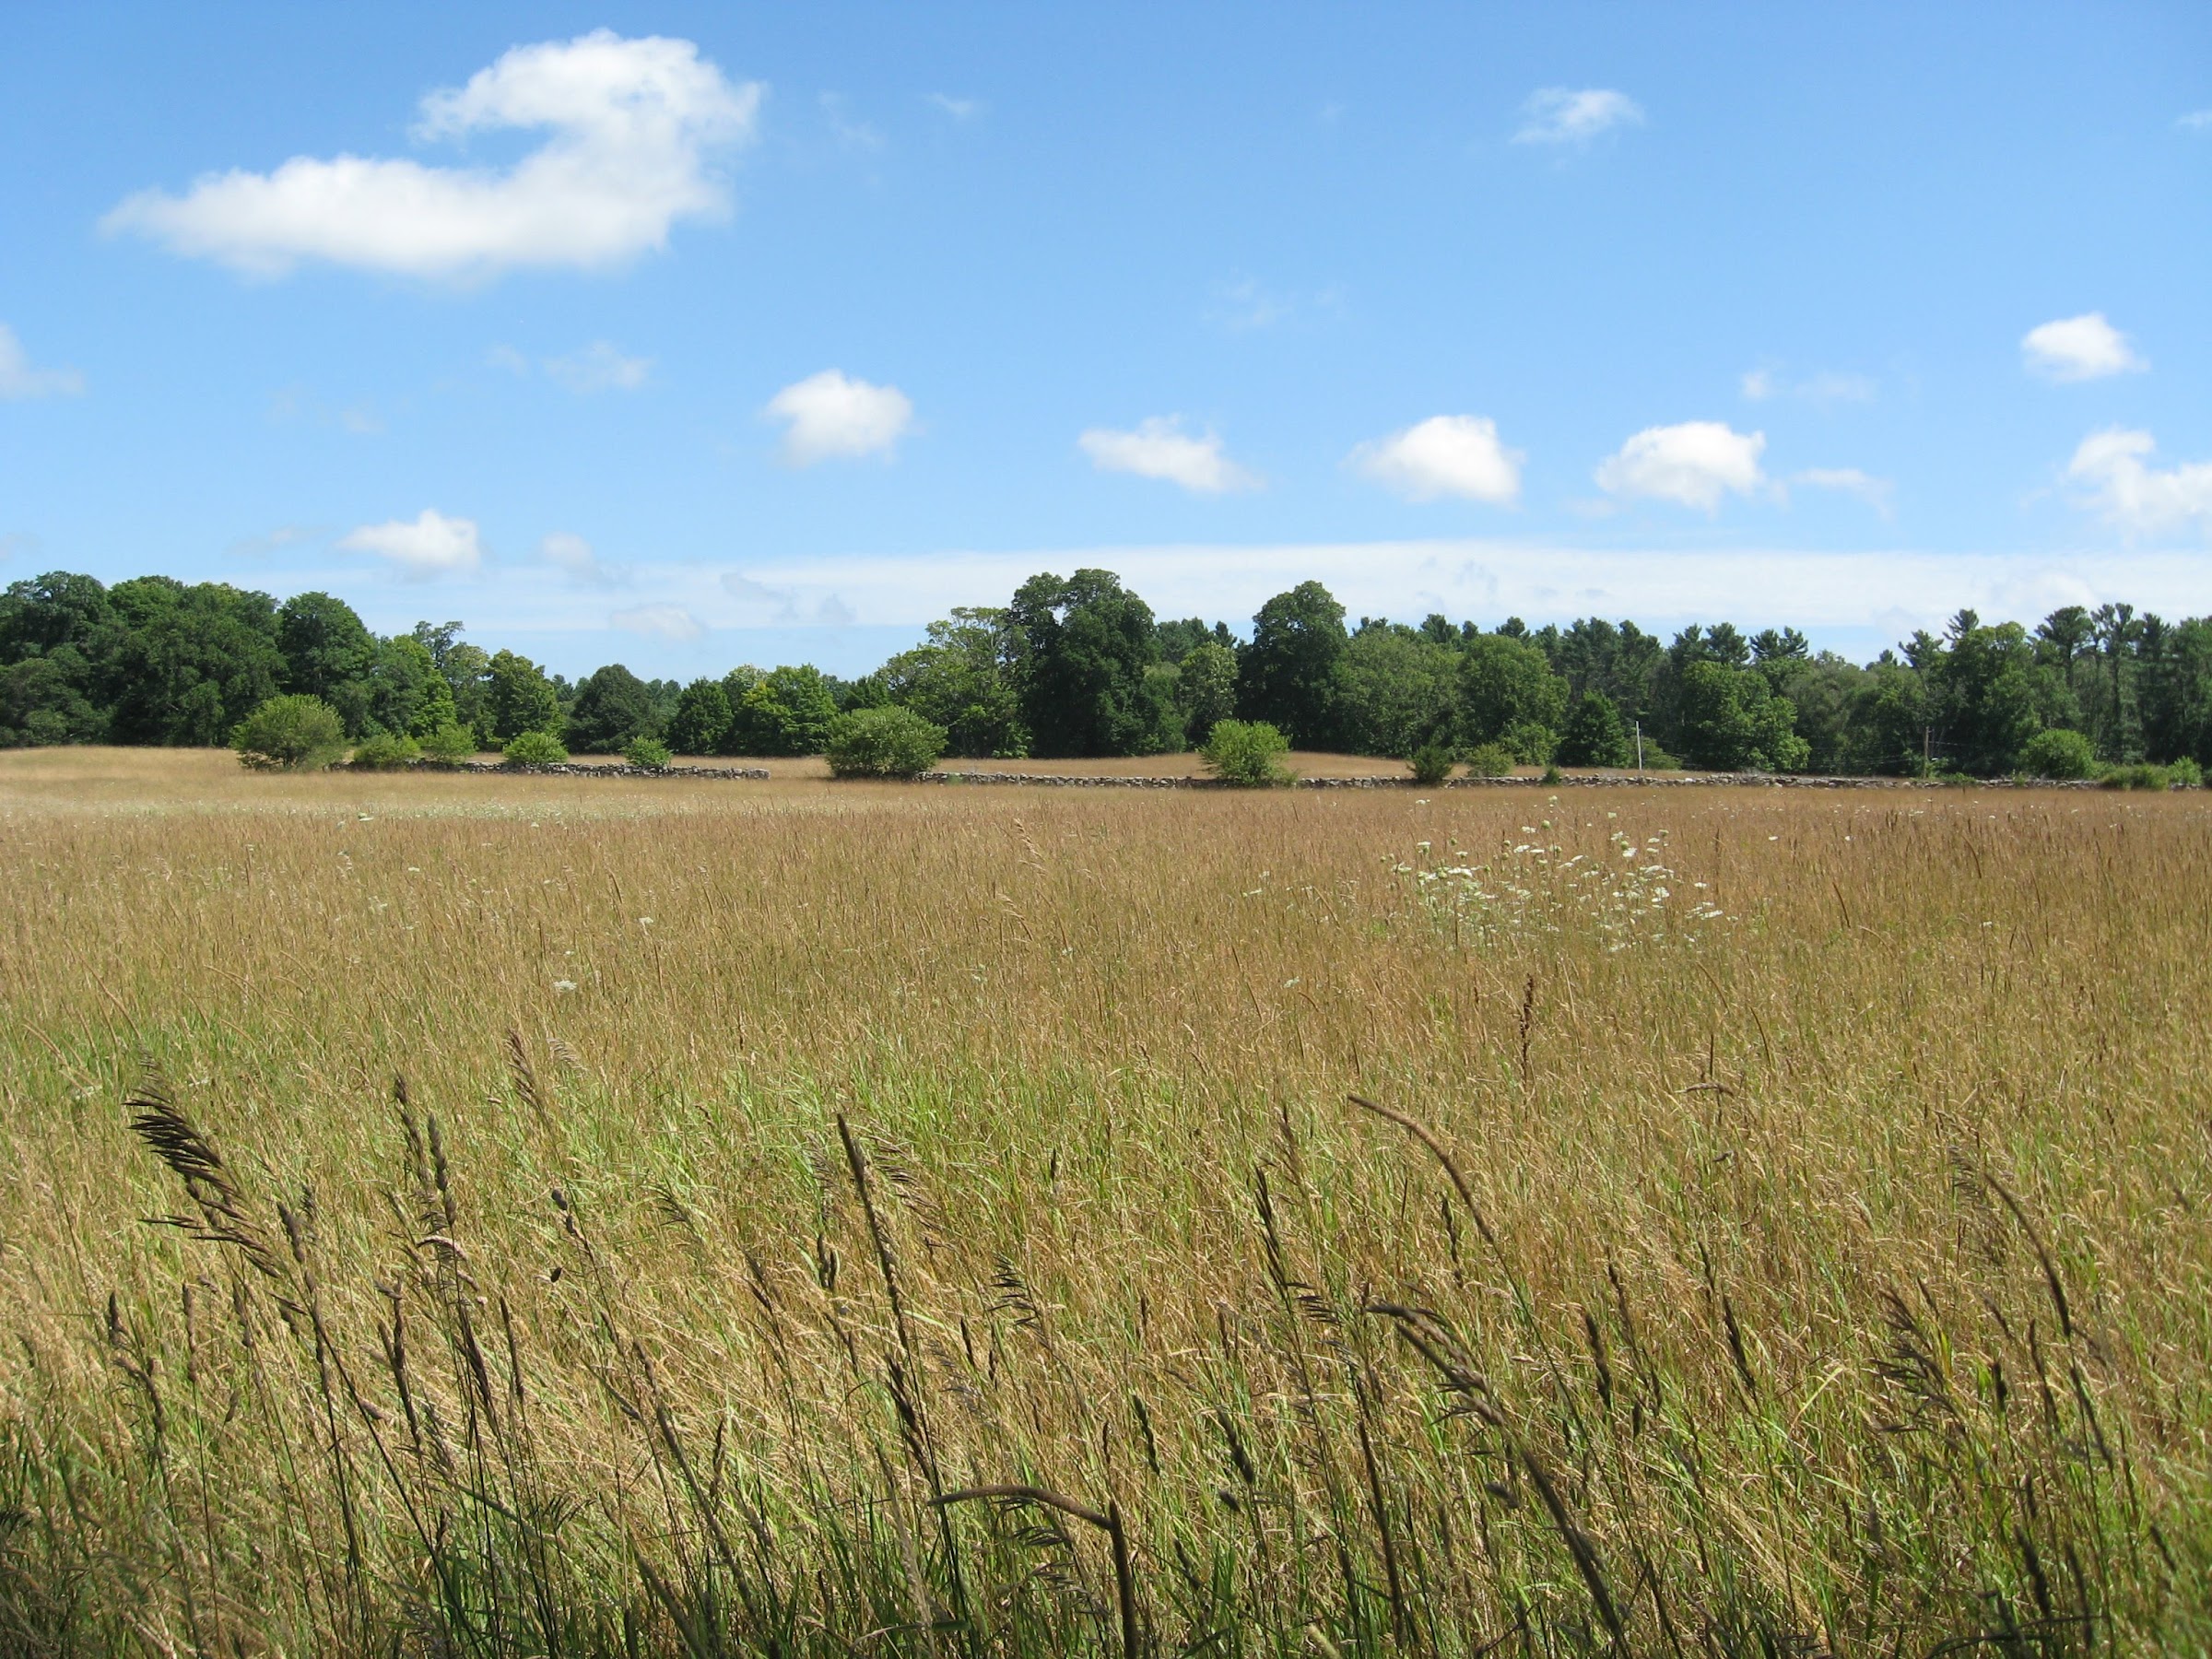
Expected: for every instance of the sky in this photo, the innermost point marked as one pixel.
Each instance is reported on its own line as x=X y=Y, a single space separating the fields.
x=686 y=335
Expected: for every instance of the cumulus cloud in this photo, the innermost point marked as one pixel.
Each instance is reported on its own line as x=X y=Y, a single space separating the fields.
x=828 y=416
x=20 y=382
x=2118 y=481
x=1159 y=448
x=1695 y=462
x=1560 y=115
x=1445 y=455
x=2079 y=348
x=430 y=545
x=633 y=126
x=1849 y=480
x=659 y=622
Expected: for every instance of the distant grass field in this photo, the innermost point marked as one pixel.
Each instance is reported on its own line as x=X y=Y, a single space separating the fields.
x=842 y=1218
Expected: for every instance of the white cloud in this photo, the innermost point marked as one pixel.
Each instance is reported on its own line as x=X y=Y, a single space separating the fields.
x=2079 y=348
x=781 y=605
x=632 y=125
x=2197 y=121
x=659 y=622
x=1695 y=462
x=19 y=382
x=599 y=367
x=432 y=544
x=2113 y=466
x=960 y=109
x=1560 y=115
x=1159 y=448
x=1445 y=455
x=1849 y=480
x=1824 y=388
x=828 y=416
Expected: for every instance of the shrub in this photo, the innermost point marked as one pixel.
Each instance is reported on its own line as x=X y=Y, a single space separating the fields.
x=534 y=748
x=449 y=745
x=889 y=742
x=1431 y=763
x=2056 y=752
x=1656 y=758
x=2138 y=776
x=648 y=752
x=1551 y=775
x=1531 y=743
x=2186 y=774
x=1247 y=753
x=385 y=751
x=290 y=733
x=1491 y=760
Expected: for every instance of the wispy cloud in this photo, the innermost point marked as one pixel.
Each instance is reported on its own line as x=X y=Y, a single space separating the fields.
x=19 y=382
x=1445 y=455
x=658 y=622
x=599 y=367
x=761 y=603
x=1159 y=448
x=573 y=557
x=634 y=126
x=1824 y=388
x=960 y=109
x=1561 y=115
x=849 y=129
x=1876 y=493
x=2197 y=121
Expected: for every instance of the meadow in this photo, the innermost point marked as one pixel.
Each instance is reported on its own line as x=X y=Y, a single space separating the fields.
x=529 y=1216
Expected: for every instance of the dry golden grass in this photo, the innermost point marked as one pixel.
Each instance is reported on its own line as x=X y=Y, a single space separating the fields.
x=1830 y=1272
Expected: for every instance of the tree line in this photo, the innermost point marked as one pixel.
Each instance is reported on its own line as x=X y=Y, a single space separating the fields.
x=1080 y=666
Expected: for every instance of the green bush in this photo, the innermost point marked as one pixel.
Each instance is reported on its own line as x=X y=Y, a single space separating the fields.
x=290 y=733
x=1431 y=764
x=385 y=751
x=1531 y=743
x=535 y=749
x=887 y=742
x=1656 y=758
x=1491 y=761
x=2138 y=776
x=1247 y=753
x=2056 y=752
x=2186 y=774
x=648 y=752
x=449 y=745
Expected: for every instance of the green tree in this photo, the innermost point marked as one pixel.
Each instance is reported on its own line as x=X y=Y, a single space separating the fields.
x=1732 y=722
x=1288 y=675
x=294 y=732
x=433 y=709
x=703 y=719
x=1506 y=686
x=612 y=706
x=2177 y=694
x=1595 y=734
x=330 y=655
x=1084 y=647
x=1397 y=690
x=786 y=712
x=1989 y=694
x=2056 y=752
x=1205 y=688
x=519 y=698
x=961 y=678
x=185 y=664
x=1247 y=753
x=398 y=678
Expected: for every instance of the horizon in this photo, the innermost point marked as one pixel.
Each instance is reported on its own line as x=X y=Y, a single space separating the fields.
x=647 y=334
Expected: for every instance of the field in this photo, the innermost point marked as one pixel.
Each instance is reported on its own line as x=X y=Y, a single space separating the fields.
x=1779 y=1226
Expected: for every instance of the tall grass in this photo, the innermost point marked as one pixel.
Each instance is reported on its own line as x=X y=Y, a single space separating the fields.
x=549 y=1219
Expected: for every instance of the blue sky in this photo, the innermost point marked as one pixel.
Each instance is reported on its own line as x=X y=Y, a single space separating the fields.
x=686 y=335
